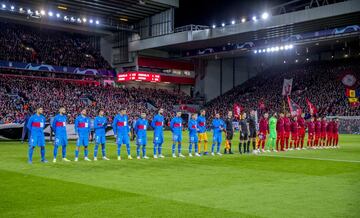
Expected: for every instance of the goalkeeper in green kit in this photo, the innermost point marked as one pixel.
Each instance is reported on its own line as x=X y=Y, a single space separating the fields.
x=271 y=143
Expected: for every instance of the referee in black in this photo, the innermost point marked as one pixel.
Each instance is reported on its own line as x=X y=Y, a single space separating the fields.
x=252 y=130
x=244 y=134
x=229 y=133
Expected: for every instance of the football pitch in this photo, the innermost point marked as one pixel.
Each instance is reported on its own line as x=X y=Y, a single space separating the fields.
x=307 y=183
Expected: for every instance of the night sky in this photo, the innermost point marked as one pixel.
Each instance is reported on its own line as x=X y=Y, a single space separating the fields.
x=208 y=12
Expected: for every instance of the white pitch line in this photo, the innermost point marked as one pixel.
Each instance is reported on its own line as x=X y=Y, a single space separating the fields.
x=313 y=158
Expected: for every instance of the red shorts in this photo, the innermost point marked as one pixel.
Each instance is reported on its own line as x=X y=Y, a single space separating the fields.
x=335 y=135
x=262 y=135
x=286 y=135
x=330 y=135
x=311 y=135
x=317 y=136
x=302 y=132
x=280 y=135
x=294 y=136
x=323 y=135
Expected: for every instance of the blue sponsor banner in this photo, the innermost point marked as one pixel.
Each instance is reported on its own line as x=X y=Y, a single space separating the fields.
x=59 y=69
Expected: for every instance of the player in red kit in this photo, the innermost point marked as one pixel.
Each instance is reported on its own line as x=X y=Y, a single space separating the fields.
x=335 y=134
x=311 y=132
x=263 y=131
x=280 y=133
x=287 y=125
x=302 y=128
x=294 y=144
x=324 y=124
x=329 y=133
x=317 y=132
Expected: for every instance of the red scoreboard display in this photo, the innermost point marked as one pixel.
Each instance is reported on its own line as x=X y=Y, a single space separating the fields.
x=138 y=76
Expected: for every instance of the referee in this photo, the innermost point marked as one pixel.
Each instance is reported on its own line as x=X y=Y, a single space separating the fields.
x=229 y=133
x=244 y=134
x=252 y=128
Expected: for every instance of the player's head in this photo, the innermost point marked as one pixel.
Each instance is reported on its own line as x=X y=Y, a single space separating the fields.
x=312 y=119
x=324 y=118
x=243 y=116
x=336 y=119
x=288 y=114
x=252 y=113
x=178 y=113
x=274 y=114
x=303 y=115
x=281 y=115
x=194 y=116
x=122 y=111
x=161 y=111
x=230 y=113
x=217 y=115
x=62 y=110
x=39 y=110
x=143 y=115
x=202 y=112
x=101 y=112
x=266 y=115
x=83 y=112
x=295 y=118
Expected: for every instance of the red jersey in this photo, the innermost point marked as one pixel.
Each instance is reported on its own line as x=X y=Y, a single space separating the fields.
x=323 y=126
x=317 y=127
x=287 y=124
x=294 y=127
x=280 y=125
x=301 y=123
x=329 y=127
x=335 y=127
x=311 y=127
x=263 y=125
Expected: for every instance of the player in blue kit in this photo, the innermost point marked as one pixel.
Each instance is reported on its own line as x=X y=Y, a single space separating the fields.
x=36 y=125
x=158 y=125
x=176 y=129
x=59 y=127
x=193 y=138
x=218 y=126
x=100 y=123
x=82 y=129
x=140 y=128
x=122 y=132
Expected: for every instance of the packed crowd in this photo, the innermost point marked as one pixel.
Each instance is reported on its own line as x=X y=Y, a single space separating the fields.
x=319 y=82
x=19 y=96
x=31 y=44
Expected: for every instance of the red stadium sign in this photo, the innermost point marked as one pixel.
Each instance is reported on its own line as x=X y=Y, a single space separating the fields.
x=138 y=76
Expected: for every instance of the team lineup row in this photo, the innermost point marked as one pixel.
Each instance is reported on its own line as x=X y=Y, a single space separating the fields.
x=276 y=130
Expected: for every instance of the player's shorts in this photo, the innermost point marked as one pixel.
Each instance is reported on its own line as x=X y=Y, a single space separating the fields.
x=286 y=135
x=302 y=132
x=123 y=139
x=244 y=136
x=141 y=140
x=203 y=136
x=335 y=135
x=280 y=135
x=158 y=138
x=36 y=140
x=252 y=133
x=311 y=135
x=229 y=135
x=317 y=136
x=61 y=141
x=323 y=135
x=294 y=136
x=82 y=140
x=262 y=135
x=217 y=138
x=273 y=134
x=193 y=138
x=330 y=135
x=177 y=137
x=100 y=139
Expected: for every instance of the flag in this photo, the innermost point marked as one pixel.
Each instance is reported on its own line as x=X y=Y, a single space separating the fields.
x=354 y=102
x=312 y=108
x=295 y=109
x=237 y=110
x=287 y=86
x=351 y=93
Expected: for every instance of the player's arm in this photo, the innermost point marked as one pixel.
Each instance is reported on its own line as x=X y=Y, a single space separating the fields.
x=172 y=125
x=53 y=124
x=29 y=124
x=153 y=123
x=76 y=126
x=96 y=124
x=114 y=126
x=136 y=126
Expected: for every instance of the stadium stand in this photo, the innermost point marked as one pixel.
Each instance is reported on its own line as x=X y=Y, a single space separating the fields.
x=47 y=46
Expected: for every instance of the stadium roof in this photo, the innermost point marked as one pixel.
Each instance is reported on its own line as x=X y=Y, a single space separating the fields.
x=129 y=11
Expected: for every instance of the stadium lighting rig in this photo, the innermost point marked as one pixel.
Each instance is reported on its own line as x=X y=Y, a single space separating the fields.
x=42 y=13
x=274 y=49
x=265 y=15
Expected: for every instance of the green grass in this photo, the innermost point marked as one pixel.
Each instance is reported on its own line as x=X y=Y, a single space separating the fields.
x=309 y=183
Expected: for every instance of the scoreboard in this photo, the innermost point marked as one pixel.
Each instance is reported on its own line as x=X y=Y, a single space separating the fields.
x=138 y=76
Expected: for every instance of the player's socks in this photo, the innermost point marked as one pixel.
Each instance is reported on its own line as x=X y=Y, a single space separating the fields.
x=240 y=146
x=173 y=148
x=144 y=150
x=55 y=151
x=160 y=150
x=63 y=151
x=118 y=150
x=138 y=150
x=248 y=147
x=196 y=148
x=103 y=151
x=96 y=149
x=42 y=152
x=218 y=148
x=205 y=146
x=77 y=152
x=179 y=148
x=86 y=151
x=244 y=146
x=190 y=148
x=212 y=148
x=253 y=145
x=128 y=149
